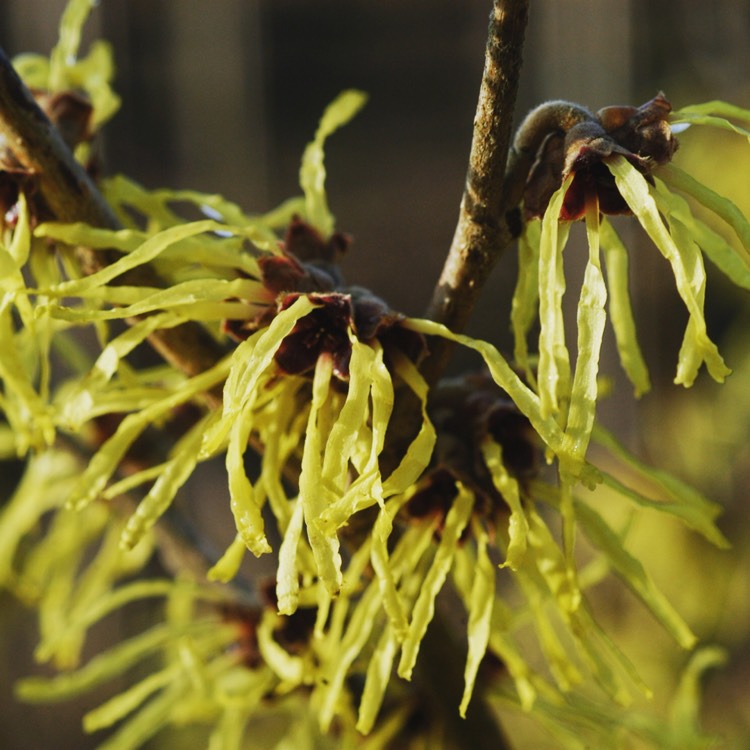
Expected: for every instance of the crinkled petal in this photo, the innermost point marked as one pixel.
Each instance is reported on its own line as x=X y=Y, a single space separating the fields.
x=424 y=608
x=607 y=663
x=44 y=486
x=634 y=188
x=677 y=179
x=591 y=319
x=106 y=665
x=93 y=584
x=507 y=486
x=108 y=457
x=65 y=51
x=244 y=501
x=349 y=437
x=151 y=718
x=419 y=452
x=695 y=118
x=715 y=107
x=480 y=616
x=501 y=644
x=564 y=668
x=287 y=575
x=554 y=364
x=358 y=632
x=26 y=410
x=288 y=667
x=118 y=707
x=685 y=709
x=312 y=174
x=151 y=249
x=381 y=533
x=524 y=398
x=228 y=565
x=20 y=243
x=253 y=356
x=689 y=359
x=118 y=348
x=314 y=495
x=377 y=677
x=620 y=309
x=525 y=304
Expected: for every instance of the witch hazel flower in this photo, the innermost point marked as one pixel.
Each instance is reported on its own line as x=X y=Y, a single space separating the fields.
x=316 y=374
x=587 y=166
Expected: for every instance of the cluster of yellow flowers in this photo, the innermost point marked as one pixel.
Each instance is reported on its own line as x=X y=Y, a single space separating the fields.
x=312 y=385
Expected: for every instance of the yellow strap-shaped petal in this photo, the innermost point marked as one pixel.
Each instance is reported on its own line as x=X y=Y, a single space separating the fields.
x=633 y=574
x=424 y=608
x=507 y=486
x=419 y=452
x=245 y=503
x=147 y=252
x=611 y=669
x=312 y=173
x=483 y=595
x=731 y=261
x=678 y=179
x=554 y=365
x=525 y=304
x=177 y=471
x=591 y=319
x=620 y=309
x=715 y=107
x=314 y=495
x=636 y=192
x=682 y=501
x=108 y=457
x=287 y=575
x=382 y=566
x=228 y=565
x=377 y=678
x=695 y=118
x=524 y=398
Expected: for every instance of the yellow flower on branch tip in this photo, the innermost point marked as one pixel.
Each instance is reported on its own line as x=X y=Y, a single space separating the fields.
x=618 y=158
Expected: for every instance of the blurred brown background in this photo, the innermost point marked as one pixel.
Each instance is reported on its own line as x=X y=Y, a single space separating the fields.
x=222 y=95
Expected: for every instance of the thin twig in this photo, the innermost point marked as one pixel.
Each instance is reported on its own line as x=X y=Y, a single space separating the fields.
x=482 y=232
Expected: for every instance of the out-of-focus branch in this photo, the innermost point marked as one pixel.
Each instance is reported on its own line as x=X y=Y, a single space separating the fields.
x=38 y=146
x=482 y=232
x=71 y=196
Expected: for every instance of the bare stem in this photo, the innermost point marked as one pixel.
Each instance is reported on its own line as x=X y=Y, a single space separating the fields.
x=482 y=232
